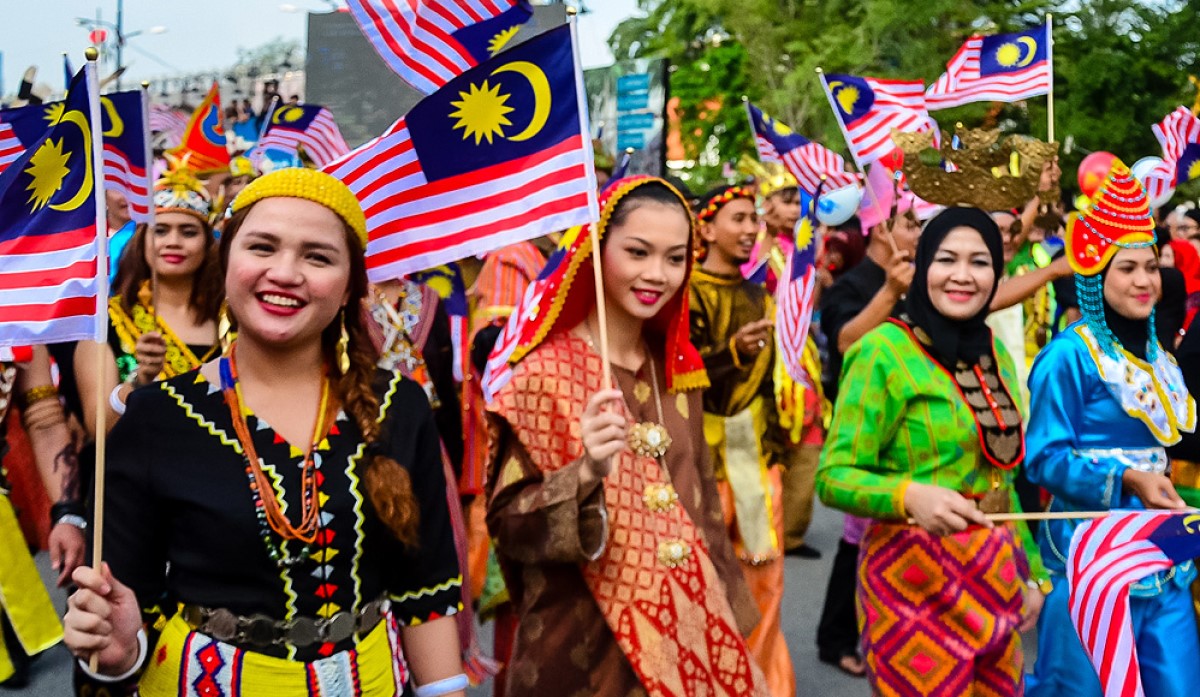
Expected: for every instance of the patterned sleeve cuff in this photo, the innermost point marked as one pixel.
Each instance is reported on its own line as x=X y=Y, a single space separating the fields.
x=433 y=602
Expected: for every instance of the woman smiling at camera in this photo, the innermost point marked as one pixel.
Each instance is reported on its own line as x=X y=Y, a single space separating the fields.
x=926 y=429
x=603 y=505
x=287 y=497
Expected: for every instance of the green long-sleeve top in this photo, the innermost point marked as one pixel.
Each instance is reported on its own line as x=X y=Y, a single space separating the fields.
x=900 y=418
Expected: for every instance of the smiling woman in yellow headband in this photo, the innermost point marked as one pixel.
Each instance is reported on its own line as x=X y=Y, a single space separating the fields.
x=294 y=491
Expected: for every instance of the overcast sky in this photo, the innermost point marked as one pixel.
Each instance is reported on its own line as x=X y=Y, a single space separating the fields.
x=201 y=35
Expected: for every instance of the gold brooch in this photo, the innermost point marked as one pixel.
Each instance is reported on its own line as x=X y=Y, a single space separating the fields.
x=660 y=497
x=672 y=553
x=649 y=439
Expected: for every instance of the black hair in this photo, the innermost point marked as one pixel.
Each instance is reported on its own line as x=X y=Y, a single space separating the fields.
x=651 y=192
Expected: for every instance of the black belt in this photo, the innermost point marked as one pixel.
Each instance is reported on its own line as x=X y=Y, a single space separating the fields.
x=261 y=631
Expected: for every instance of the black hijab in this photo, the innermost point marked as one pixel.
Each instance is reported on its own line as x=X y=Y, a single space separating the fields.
x=954 y=340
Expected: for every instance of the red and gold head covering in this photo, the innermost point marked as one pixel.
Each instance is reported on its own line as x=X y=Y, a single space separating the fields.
x=718 y=198
x=567 y=293
x=1117 y=217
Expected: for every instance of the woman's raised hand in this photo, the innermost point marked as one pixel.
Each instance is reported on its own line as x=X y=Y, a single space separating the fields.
x=603 y=431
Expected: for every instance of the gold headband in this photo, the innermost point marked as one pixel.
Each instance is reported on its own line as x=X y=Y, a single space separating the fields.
x=311 y=185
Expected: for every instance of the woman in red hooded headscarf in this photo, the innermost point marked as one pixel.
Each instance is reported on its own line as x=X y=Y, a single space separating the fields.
x=603 y=505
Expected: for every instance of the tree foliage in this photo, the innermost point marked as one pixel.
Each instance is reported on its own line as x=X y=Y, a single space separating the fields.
x=1120 y=65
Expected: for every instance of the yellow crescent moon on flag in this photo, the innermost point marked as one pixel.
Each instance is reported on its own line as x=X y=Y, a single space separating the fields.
x=541 y=96
x=117 y=126
x=76 y=117
x=1029 y=43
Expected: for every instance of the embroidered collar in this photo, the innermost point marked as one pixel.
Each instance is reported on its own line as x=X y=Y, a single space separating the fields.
x=1153 y=393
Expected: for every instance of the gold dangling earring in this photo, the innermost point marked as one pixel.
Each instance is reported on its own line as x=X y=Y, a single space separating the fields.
x=343 y=346
x=224 y=328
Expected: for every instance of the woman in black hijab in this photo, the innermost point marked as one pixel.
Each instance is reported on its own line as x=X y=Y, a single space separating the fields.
x=926 y=437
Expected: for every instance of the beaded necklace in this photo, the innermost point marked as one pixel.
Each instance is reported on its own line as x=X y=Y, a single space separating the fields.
x=267 y=507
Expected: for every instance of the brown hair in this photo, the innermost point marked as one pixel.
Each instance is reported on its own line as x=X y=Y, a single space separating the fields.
x=133 y=271
x=388 y=484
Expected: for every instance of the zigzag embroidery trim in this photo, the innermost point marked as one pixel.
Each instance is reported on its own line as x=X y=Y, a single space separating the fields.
x=194 y=416
x=455 y=582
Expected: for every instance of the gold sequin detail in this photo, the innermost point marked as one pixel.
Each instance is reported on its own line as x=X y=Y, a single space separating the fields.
x=660 y=497
x=681 y=405
x=641 y=392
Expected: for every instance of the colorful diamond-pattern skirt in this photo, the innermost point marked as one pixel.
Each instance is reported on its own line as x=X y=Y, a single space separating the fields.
x=940 y=614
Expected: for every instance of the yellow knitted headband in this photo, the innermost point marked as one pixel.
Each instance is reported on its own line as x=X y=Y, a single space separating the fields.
x=309 y=184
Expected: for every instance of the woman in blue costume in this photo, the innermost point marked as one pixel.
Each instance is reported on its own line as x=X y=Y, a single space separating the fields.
x=1106 y=399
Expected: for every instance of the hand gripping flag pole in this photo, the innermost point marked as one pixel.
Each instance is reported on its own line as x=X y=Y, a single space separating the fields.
x=101 y=334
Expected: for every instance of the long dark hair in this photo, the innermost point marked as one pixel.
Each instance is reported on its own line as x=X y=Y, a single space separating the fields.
x=133 y=270
x=388 y=485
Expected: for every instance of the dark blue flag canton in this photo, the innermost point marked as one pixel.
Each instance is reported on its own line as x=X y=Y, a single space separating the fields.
x=295 y=117
x=1179 y=536
x=783 y=138
x=1188 y=166
x=1010 y=53
x=487 y=38
x=853 y=96
x=513 y=106
x=805 y=253
x=51 y=188
x=121 y=114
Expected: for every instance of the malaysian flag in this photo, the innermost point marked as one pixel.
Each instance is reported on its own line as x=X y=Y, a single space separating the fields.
x=170 y=122
x=126 y=148
x=497 y=372
x=808 y=162
x=794 y=296
x=51 y=208
x=447 y=281
x=996 y=68
x=1179 y=135
x=497 y=156
x=203 y=145
x=1106 y=556
x=307 y=126
x=869 y=108
x=430 y=42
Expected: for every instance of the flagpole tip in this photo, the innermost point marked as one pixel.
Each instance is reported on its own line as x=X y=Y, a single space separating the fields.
x=629 y=151
x=572 y=11
x=145 y=84
x=819 y=71
x=745 y=98
x=91 y=53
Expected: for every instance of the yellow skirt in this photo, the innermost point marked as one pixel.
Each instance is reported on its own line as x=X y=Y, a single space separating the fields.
x=23 y=597
x=187 y=663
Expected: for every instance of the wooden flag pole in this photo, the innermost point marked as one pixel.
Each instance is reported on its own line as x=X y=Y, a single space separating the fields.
x=1050 y=94
x=601 y=314
x=101 y=316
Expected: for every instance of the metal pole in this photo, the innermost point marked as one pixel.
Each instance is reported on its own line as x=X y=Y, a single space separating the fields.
x=120 y=39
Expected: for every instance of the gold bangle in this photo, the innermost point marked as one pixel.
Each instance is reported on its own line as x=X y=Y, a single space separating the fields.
x=39 y=393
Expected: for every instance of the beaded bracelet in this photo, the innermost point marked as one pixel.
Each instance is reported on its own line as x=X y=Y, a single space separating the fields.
x=39 y=393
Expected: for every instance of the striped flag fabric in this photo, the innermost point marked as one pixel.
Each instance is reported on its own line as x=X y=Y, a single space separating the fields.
x=499 y=155
x=795 y=295
x=51 y=206
x=808 y=162
x=869 y=109
x=430 y=42
x=447 y=280
x=170 y=122
x=126 y=148
x=1179 y=135
x=996 y=68
x=497 y=372
x=1107 y=555
x=307 y=126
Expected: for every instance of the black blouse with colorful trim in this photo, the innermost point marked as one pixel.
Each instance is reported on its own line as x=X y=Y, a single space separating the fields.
x=180 y=524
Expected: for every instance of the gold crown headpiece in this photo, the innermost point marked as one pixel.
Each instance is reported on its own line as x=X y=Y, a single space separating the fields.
x=179 y=191
x=772 y=177
x=988 y=173
x=309 y=184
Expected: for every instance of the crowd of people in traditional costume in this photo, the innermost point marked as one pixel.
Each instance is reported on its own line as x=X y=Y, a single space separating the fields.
x=307 y=487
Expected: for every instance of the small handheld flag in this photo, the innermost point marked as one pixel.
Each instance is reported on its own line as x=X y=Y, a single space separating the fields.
x=50 y=205
x=308 y=126
x=497 y=156
x=808 y=162
x=795 y=295
x=203 y=146
x=430 y=42
x=869 y=109
x=1179 y=135
x=995 y=68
